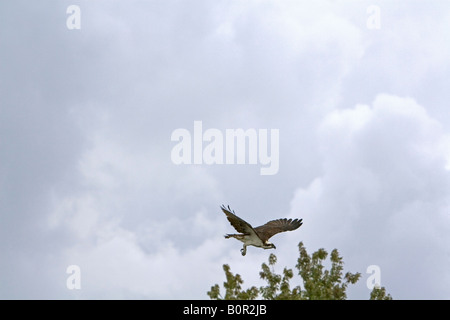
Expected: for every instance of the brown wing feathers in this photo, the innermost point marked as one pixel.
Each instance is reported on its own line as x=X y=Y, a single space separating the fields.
x=265 y=231
x=239 y=224
x=271 y=228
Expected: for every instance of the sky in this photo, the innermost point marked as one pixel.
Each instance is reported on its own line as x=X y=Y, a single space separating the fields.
x=90 y=98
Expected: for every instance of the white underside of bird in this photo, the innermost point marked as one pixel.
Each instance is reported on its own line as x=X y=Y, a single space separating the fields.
x=259 y=236
x=250 y=241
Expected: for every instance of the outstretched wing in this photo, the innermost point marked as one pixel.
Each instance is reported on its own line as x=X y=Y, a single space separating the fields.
x=239 y=224
x=271 y=228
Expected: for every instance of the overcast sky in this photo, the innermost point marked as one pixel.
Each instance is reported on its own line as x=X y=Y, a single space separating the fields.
x=358 y=90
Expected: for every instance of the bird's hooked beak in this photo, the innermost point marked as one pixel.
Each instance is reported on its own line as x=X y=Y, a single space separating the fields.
x=274 y=246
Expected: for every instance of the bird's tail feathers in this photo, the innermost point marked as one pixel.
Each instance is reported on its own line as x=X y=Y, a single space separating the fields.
x=237 y=236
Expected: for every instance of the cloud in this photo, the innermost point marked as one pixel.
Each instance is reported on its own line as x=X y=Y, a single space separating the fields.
x=383 y=195
x=117 y=265
x=126 y=236
x=86 y=118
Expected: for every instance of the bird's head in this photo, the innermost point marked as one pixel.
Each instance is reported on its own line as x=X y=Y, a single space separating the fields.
x=269 y=245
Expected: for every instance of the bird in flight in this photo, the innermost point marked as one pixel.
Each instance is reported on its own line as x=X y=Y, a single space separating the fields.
x=258 y=236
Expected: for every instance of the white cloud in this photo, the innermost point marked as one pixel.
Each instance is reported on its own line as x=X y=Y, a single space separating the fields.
x=145 y=262
x=134 y=250
x=383 y=196
x=86 y=175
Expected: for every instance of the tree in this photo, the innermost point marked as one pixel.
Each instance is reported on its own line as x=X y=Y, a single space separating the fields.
x=379 y=294
x=233 y=290
x=318 y=282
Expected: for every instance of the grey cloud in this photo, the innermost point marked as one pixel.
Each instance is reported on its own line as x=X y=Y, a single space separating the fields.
x=87 y=115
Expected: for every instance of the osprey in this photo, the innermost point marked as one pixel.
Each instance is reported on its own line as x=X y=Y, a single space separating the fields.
x=258 y=236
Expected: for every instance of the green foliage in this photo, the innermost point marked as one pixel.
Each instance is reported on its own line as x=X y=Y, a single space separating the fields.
x=322 y=284
x=233 y=290
x=379 y=294
x=318 y=282
x=278 y=287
